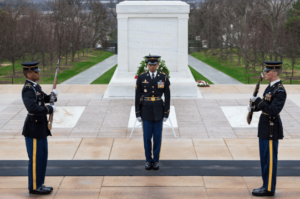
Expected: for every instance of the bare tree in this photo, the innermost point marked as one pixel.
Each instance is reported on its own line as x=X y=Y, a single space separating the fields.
x=273 y=16
x=13 y=42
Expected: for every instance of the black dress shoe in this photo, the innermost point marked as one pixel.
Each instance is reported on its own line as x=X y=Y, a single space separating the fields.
x=258 y=188
x=262 y=192
x=51 y=188
x=148 y=165
x=40 y=191
x=155 y=166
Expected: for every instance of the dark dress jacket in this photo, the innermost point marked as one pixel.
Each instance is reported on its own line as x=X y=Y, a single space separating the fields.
x=271 y=105
x=34 y=99
x=145 y=86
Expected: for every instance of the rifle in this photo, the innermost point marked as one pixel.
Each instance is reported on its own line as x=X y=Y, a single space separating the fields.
x=52 y=96
x=250 y=114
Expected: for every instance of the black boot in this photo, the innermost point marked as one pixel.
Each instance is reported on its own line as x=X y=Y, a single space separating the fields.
x=41 y=191
x=155 y=166
x=148 y=165
x=262 y=192
x=51 y=188
x=258 y=188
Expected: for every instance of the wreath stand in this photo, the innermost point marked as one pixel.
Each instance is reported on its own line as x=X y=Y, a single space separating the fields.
x=163 y=124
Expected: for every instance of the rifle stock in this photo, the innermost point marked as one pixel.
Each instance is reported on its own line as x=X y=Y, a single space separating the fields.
x=52 y=97
x=256 y=90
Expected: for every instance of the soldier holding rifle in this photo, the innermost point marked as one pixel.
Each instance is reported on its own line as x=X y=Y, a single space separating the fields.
x=270 y=126
x=35 y=128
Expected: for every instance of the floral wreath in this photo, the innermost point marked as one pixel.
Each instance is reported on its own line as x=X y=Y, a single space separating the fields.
x=144 y=69
x=201 y=83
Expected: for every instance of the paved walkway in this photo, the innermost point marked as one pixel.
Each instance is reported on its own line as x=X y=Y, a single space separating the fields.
x=214 y=75
x=89 y=75
x=191 y=187
x=146 y=187
x=196 y=118
x=133 y=149
x=101 y=133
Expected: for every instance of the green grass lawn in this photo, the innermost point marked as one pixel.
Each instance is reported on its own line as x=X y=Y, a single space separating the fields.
x=237 y=71
x=68 y=71
x=198 y=76
x=106 y=77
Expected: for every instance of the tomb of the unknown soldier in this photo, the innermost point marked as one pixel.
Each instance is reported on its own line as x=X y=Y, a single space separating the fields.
x=157 y=28
x=149 y=99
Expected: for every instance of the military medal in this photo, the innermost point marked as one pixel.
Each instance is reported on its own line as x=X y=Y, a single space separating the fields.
x=160 y=84
x=268 y=96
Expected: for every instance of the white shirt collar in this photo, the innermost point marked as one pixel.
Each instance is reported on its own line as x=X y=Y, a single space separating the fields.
x=274 y=82
x=34 y=83
x=153 y=73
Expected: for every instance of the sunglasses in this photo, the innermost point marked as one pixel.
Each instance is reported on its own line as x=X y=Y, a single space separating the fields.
x=267 y=71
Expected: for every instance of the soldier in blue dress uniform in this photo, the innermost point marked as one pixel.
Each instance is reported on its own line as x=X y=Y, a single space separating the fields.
x=35 y=128
x=151 y=110
x=270 y=126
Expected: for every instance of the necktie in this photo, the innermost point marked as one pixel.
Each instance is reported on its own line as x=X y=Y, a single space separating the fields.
x=152 y=75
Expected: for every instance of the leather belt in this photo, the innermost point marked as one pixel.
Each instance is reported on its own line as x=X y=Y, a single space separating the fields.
x=266 y=113
x=152 y=99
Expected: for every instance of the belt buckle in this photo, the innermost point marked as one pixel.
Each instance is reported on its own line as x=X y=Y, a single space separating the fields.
x=152 y=99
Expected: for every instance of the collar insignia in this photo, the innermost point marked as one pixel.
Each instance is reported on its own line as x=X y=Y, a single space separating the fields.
x=145 y=82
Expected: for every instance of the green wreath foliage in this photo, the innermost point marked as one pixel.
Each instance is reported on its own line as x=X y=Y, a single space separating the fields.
x=143 y=68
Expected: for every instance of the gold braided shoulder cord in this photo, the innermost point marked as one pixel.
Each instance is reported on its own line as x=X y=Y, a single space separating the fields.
x=259 y=103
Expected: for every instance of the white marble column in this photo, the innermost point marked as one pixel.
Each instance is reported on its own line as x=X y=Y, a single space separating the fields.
x=123 y=44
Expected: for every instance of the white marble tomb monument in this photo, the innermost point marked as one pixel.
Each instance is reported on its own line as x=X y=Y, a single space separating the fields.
x=158 y=28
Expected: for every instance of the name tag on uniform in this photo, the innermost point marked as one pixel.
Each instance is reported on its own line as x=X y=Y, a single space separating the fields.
x=160 y=84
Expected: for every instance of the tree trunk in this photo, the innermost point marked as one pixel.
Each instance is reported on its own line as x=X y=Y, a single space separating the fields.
x=293 y=67
x=66 y=57
x=43 y=62
x=239 y=55
x=231 y=57
x=226 y=50
x=13 y=64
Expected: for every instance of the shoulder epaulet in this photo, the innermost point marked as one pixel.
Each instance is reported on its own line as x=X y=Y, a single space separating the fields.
x=280 y=88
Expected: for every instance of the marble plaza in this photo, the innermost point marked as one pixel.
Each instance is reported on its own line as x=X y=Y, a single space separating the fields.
x=90 y=127
x=84 y=113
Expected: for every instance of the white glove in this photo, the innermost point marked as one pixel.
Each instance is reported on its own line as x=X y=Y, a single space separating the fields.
x=139 y=119
x=54 y=108
x=249 y=108
x=165 y=119
x=253 y=98
x=55 y=92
